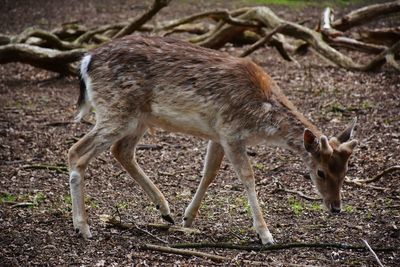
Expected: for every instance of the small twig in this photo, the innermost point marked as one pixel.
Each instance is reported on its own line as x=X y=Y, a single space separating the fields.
x=280 y=187
x=247 y=247
x=260 y=43
x=373 y=252
x=150 y=234
x=59 y=123
x=357 y=183
x=163 y=227
x=167 y=173
x=14 y=204
x=380 y=175
x=23 y=204
x=184 y=252
x=149 y=147
x=60 y=169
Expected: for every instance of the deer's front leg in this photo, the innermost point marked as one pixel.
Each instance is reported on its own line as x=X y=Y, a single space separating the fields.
x=212 y=162
x=236 y=153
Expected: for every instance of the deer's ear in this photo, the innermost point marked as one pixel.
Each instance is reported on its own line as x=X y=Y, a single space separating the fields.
x=348 y=147
x=348 y=133
x=311 y=143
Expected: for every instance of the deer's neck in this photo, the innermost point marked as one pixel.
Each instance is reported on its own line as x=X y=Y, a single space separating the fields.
x=292 y=124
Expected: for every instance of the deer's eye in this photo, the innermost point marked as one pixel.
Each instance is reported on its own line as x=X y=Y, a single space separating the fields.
x=321 y=174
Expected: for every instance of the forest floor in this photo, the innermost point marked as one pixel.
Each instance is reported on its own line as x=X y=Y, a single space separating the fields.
x=36 y=113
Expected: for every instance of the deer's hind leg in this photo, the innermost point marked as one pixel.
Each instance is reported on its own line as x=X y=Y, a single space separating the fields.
x=92 y=144
x=124 y=152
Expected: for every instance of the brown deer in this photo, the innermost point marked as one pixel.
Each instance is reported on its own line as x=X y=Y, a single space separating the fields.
x=137 y=82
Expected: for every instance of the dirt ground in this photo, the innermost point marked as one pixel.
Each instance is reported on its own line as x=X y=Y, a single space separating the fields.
x=37 y=108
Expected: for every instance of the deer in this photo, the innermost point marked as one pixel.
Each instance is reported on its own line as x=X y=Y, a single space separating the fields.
x=137 y=83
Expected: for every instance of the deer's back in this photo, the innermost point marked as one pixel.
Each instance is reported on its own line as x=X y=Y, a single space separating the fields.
x=171 y=83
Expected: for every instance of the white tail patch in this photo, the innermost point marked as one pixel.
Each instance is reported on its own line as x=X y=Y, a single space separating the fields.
x=86 y=106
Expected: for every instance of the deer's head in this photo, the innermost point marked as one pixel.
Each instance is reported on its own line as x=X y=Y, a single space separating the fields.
x=327 y=163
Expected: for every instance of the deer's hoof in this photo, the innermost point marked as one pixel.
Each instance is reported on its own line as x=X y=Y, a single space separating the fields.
x=83 y=231
x=168 y=218
x=266 y=239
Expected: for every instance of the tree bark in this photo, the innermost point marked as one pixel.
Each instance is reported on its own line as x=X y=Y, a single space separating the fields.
x=366 y=14
x=48 y=59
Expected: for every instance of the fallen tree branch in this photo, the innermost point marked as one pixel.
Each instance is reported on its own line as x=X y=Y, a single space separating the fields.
x=69 y=30
x=381 y=59
x=72 y=40
x=198 y=28
x=386 y=36
x=337 y=39
x=247 y=247
x=391 y=60
x=49 y=59
x=365 y=14
x=314 y=39
x=89 y=34
x=353 y=44
x=48 y=39
x=325 y=26
x=260 y=43
x=223 y=15
x=142 y=19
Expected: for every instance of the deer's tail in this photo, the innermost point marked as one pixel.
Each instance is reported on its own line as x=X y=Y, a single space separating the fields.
x=83 y=103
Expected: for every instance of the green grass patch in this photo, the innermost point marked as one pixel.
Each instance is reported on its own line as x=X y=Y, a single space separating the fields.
x=369 y=216
x=337 y=107
x=7 y=198
x=91 y=202
x=67 y=200
x=315 y=206
x=122 y=205
x=348 y=209
x=246 y=205
x=259 y=166
x=367 y=105
x=39 y=198
x=295 y=205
